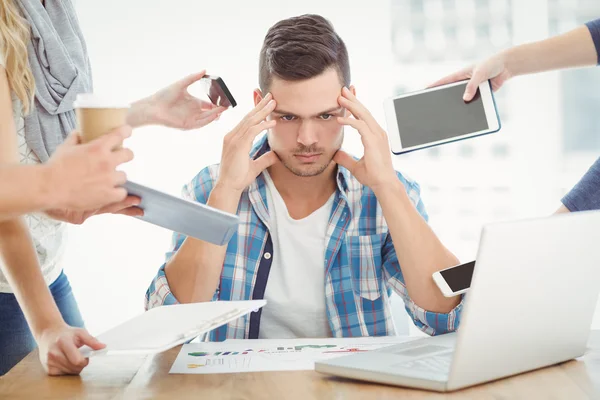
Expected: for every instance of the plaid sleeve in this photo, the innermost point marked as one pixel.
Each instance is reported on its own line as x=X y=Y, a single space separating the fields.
x=429 y=322
x=159 y=293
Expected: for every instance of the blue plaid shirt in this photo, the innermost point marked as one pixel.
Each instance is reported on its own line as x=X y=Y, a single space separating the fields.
x=361 y=267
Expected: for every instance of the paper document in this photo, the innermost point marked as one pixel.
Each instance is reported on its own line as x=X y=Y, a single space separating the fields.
x=162 y=328
x=270 y=355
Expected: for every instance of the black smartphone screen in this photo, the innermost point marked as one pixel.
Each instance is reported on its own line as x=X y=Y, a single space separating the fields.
x=217 y=91
x=459 y=277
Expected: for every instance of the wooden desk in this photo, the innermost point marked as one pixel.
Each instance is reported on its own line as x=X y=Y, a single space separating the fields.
x=148 y=378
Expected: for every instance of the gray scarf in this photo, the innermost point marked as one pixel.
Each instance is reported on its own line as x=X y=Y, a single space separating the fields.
x=61 y=68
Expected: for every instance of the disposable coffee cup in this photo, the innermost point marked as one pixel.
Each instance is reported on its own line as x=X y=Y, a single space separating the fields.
x=97 y=115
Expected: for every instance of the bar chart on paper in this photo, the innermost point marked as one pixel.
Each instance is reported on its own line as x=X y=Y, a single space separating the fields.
x=261 y=355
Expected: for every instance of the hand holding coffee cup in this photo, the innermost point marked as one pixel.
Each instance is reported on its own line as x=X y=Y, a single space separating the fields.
x=97 y=116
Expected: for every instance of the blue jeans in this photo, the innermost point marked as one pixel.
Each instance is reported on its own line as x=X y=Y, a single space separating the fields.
x=16 y=340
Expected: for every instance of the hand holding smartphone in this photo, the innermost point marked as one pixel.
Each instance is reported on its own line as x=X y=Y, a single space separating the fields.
x=455 y=280
x=217 y=91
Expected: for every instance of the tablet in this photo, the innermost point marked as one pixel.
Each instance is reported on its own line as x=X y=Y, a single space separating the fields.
x=183 y=216
x=439 y=115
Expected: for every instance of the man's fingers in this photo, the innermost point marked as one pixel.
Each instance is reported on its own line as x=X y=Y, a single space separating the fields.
x=254 y=131
x=262 y=114
x=260 y=106
x=345 y=160
x=265 y=161
x=359 y=125
x=349 y=101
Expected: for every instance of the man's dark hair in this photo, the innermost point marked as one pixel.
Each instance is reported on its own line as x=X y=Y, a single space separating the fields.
x=301 y=48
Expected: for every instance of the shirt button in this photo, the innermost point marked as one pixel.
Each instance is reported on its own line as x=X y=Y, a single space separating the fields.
x=267 y=256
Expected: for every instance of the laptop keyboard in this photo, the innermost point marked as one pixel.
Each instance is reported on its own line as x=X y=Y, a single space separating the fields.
x=438 y=363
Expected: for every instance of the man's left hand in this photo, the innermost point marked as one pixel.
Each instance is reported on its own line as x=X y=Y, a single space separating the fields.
x=375 y=168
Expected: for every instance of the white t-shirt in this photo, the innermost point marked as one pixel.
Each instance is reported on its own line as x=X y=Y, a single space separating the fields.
x=295 y=291
x=49 y=236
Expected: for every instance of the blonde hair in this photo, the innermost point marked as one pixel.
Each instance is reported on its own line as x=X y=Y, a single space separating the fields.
x=14 y=37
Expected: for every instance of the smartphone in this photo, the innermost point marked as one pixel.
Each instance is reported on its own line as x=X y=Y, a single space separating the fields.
x=439 y=115
x=217 y=91
x=455 y=280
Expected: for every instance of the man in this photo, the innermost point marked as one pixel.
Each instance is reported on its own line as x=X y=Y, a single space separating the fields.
x=323 y=237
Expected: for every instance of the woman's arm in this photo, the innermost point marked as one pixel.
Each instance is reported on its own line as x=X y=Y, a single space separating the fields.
x=58 y=349
x=577 y=48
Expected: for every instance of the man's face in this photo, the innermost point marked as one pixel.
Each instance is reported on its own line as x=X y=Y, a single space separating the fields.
x=307 y=134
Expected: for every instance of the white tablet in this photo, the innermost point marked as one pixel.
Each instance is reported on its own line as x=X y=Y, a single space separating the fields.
x=183 y=216
x=439 y=115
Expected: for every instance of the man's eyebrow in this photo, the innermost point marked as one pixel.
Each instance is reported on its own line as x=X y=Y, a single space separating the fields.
x=332 y=110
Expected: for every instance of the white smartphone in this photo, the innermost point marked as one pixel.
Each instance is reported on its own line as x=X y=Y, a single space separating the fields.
x=439 y=115
x=455 y=280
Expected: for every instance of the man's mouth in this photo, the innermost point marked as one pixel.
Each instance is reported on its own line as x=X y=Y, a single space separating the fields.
x=307 y=158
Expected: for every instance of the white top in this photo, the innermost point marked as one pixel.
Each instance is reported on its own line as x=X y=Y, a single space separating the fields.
x=49 y=236
x=295 y=291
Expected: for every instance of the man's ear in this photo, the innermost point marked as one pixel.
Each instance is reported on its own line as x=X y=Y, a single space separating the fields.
x=258 y=96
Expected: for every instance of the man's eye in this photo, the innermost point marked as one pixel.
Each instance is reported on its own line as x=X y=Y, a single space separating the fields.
x=325 y=117
x=288 y=117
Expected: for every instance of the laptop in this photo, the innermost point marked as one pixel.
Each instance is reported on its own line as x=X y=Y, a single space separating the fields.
x=530 y=305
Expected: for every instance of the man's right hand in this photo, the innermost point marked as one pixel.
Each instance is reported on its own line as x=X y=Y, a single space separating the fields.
x=84 y=176
x=238 y=170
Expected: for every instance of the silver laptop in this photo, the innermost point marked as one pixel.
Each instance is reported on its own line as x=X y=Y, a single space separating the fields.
x=530 y=305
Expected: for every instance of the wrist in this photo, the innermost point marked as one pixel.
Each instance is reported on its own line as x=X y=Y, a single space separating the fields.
x=387 y=185
x=389 y=189
x=49 y=195
x=513 y=62
x=140 y=113
x=225 y=197
x=43 y=328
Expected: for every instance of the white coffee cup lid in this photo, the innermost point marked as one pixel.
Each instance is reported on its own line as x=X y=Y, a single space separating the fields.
x=92 y=100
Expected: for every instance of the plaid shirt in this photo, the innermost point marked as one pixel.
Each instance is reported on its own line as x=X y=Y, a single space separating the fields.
x=361 y=267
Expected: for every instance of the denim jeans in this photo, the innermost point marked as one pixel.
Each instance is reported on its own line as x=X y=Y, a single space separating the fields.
x=16 y=340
